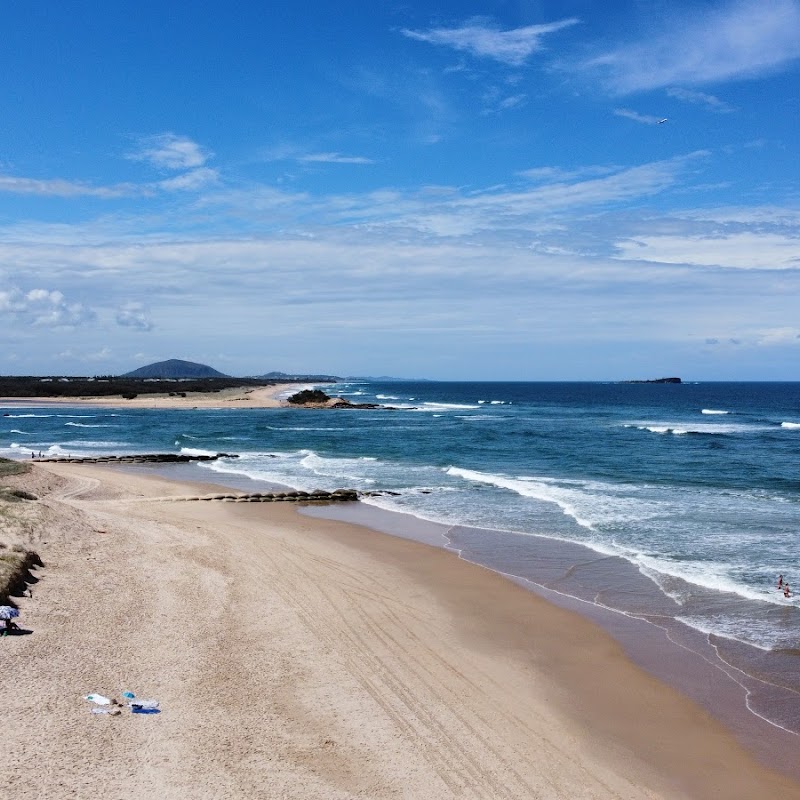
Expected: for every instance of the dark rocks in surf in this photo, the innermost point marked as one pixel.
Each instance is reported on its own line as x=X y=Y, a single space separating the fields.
x=317 y=496
x=657 y=380
x=145 y=458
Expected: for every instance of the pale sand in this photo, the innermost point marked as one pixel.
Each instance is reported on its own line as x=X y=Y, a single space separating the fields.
x=236 y=397
x=301 y=658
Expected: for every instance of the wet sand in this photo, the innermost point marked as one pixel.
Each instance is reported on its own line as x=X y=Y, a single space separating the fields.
x=306 y=658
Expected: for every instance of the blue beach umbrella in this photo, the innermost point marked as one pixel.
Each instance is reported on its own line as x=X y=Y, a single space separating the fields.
x=8 y=612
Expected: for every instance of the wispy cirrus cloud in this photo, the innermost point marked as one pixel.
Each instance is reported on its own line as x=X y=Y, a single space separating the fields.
x=192 y=180
x=58 y=187
x=707 y=101
x=300 y=154
x=164 y=151
x=170 y=151
x=494 y=103
x=742 y=39
x=644 y=119
x=560 y=175
x=739 y=250
x=333 y=158
x=783 y=335
x=481 y=38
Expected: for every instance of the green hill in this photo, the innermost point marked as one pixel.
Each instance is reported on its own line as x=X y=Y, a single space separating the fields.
x=175 y=368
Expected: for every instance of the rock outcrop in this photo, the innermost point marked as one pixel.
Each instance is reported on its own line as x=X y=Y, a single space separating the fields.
x=145 y=458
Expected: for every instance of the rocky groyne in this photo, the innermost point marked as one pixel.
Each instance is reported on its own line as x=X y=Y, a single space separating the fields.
x=145 y=458
x=317 y=496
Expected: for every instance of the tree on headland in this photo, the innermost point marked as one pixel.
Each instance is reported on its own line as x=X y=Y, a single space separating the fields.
x=308 y=396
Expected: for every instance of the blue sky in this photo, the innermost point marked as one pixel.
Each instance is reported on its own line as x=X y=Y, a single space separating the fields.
x=455 y=190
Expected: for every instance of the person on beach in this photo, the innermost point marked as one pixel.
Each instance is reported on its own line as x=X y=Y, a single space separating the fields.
x=786 y=592
x=780 y=581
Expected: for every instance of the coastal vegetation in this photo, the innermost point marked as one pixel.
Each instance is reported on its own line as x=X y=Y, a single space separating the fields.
x=15 y=560
x=107 y=386
x=307 y=396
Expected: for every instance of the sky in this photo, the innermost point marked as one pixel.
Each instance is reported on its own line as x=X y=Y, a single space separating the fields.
x=449 y=189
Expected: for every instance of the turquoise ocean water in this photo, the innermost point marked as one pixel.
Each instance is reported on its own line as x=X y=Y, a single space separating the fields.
x=677 y=505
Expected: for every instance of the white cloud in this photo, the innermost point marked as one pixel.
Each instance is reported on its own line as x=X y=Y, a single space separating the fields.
x=708 y=101
x=57 y=187
x=334 y=158
x=495 y=104
x=644 y=119
x=748 y=250
x=783 y=335
x=43 y=307
x=560 y=175
x=739 y=40
x=479 y=38
x=134 y=315
x=190 y=181
x=170 y=151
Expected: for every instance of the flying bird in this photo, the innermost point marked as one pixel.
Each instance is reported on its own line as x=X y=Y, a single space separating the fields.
x=661 y=121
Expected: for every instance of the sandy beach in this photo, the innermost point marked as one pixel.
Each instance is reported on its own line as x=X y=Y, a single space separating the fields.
x=302 y=658
x=236 y=397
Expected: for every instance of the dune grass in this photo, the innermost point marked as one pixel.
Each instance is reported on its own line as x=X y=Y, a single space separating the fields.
x=10 y=467
x=15 y=560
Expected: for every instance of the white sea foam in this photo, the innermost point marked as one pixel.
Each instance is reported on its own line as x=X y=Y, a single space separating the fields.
x=106 y=445
x=792 y=426
x=23 y=433
x=196 y=451
x=24 y=416
x=348 y=468
x=84 y=425
x=440 y=406
x=761 y=637
x=713 y=411
x=543 y=489
x=301 y=428
x=386 y=397
x=707 y=428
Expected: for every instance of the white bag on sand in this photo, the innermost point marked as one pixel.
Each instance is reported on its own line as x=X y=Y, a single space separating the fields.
x=146 y=704
x=99 y=699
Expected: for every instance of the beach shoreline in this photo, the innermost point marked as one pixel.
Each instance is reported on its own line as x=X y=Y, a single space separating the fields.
x=267 y=396
x=333 y=662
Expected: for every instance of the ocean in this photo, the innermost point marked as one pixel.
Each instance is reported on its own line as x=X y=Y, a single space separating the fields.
x=672 y=505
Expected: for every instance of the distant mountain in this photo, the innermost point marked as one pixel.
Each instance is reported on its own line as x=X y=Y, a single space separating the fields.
x=386 y=379
x=175 y=368
x=285 y=376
